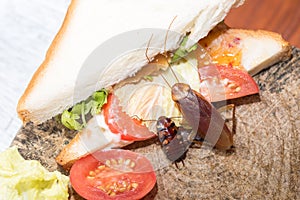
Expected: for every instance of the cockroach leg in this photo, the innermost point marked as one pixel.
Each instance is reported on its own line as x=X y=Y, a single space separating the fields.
x=182 y=161
x=198 y=140
x=227 y=108
x=227 y=119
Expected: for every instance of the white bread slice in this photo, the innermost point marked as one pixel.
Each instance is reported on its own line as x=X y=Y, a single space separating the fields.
x=254 y=50
x=90 y=23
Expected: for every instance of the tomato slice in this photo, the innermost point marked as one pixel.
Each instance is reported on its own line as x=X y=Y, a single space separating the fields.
x=119 y=122
x=224 y=82
x=112 y=174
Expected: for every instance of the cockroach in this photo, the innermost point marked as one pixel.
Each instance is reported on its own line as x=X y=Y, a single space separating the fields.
x=202 y=116
x=175 y=140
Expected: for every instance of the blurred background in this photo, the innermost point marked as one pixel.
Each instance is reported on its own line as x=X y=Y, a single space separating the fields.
x=281 y=16
x=28 y=27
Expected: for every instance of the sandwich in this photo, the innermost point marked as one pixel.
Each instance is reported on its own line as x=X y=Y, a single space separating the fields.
x=119 y=47
x=109 y=74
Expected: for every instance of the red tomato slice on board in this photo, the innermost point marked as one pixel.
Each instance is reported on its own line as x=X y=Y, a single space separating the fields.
x=119 y=122
x=112 y=174
x=223 y=82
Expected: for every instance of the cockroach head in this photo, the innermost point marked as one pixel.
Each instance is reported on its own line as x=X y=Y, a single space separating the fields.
x=180 y=91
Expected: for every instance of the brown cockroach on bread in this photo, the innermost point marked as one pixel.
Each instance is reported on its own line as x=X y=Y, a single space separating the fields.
x=202 y=116
x=205 y=121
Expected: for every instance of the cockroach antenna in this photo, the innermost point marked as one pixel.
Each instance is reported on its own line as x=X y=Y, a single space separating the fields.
x=167 y=34
x=174 y=74
x=166 y=81
x=147 y=48
x=165 y=52
x=165 y=48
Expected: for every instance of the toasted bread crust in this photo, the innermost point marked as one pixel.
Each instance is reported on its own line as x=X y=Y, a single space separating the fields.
x=67 y=157
x=24 y=114
x=283 y=55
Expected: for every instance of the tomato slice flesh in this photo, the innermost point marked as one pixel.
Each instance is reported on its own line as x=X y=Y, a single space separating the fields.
x=119 y=122
x=112 y=174
x=223 y=82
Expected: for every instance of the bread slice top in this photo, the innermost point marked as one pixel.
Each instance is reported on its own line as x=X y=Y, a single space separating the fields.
x=90 y=24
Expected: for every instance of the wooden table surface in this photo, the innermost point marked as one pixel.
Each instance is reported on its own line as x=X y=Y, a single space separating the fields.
x=28 y=27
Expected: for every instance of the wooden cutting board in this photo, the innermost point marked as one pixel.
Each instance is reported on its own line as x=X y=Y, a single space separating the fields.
x=264 y=165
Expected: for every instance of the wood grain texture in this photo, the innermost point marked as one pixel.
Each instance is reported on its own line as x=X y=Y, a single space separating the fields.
x=282 y=16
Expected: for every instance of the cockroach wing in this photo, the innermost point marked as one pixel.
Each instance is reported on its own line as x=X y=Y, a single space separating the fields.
x=202 y=116
x=176 y=149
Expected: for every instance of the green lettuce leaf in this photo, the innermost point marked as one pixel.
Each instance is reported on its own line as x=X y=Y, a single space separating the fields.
x=148 y=78
x=75 y=119
x=182 y=51
x=28 y=179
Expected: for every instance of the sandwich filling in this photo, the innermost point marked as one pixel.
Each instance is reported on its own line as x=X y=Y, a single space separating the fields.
x=147 y=96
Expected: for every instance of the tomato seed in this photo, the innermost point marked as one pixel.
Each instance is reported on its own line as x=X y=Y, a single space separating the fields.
x=107 y=163
x=112 y=187
x=120 y=161
x=90 y=177
x=101 y=188
x=101 y=167
x=225 y=81
x=134 y=185
x=123 y=184
x=113 y=161
x=238 y=89
x=115 y=186
x=129 y=187
x=112 y=194
x=232 y=86
x=127 y=162
x=92 y=173
x=132 y=164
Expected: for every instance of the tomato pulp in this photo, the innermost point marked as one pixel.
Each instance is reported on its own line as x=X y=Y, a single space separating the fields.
x=119 y=122
x=223 y=82
x=112 y=174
